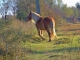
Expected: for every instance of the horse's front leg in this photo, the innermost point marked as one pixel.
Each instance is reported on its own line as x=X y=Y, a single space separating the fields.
x=40 y=32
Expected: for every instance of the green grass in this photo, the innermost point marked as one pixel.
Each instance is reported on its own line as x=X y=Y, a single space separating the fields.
x=19 y=41
x=54 y=51
x=54 y=45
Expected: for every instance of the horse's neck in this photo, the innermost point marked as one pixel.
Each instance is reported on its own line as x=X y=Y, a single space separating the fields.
x=35 y=17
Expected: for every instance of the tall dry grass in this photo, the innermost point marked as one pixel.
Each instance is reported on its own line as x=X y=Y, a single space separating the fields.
x=22 y=24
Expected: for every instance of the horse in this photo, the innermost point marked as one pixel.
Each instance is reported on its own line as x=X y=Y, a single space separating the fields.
x=47 y=23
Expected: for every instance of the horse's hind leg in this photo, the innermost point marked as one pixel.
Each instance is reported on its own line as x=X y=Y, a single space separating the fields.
x=49 y=34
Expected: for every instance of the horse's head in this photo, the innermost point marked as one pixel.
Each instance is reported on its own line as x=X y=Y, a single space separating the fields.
x=33 y=16
x=29 y=16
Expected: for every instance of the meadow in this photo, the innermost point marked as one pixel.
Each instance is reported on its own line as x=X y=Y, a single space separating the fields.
x=19 y=41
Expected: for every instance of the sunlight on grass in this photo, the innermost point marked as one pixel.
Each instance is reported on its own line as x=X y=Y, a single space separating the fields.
x=21 y=40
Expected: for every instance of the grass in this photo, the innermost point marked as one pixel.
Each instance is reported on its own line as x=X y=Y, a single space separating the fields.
x=54 y=45
x=50 y=51
x=20 y=41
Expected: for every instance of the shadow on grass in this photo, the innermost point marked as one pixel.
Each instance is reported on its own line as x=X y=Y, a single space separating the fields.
x=62 y=41
x=77 y=49
x=31 y=38
x=51 y=56
x=66 y=49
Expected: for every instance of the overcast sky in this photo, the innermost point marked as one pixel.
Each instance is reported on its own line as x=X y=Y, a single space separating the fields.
x=70 y=2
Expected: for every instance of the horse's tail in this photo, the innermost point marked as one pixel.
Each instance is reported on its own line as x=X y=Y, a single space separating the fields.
x=53 y=26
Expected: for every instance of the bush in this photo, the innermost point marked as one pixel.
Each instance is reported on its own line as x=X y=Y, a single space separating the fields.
x=21 y=15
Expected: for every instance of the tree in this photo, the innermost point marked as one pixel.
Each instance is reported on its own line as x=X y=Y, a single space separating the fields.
x=68 y=11
x=5 y=8
x=25 y=6
x=60 y=4
x=13 y=6
x=37 y=6
x=2 y=11
x=21 y=15
x=78 y=7
x=8 y=5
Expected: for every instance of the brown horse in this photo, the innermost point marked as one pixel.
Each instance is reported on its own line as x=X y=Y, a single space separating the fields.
x=46 y=23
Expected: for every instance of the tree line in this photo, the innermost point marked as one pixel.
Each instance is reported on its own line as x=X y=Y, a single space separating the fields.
x=21 y=8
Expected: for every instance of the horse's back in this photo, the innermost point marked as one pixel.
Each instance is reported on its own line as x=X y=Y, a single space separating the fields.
x=48 y=22
x=48 y=19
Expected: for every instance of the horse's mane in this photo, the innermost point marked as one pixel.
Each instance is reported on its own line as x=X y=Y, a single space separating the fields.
x=36 y=13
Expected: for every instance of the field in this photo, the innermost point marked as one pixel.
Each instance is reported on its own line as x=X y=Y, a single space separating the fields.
x=19 y=41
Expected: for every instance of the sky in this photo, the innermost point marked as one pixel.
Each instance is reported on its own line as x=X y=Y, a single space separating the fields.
x=70 y=2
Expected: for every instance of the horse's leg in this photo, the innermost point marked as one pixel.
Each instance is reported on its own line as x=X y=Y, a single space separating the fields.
x=49 y=34
x=52 y=34
x=40 y=33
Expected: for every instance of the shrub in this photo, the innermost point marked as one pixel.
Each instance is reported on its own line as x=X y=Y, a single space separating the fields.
x=21 y=15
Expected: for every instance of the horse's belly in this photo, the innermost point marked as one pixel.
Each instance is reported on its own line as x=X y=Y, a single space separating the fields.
x=42 y=27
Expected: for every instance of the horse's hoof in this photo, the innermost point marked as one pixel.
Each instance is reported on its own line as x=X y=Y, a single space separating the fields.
x=43 y=39
x=49 y=41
